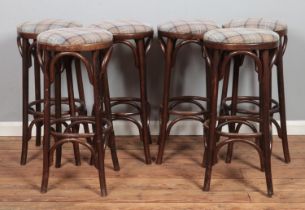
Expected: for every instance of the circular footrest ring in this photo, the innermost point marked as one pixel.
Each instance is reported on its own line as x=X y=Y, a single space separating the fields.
x=71 y=133
x=79 y=105
x=234 y=136
x=197 y=101
x=253 y=100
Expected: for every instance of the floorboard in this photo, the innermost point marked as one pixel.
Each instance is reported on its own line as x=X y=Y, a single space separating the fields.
x=176 y=184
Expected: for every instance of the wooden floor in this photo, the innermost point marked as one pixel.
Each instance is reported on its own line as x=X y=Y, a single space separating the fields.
x=176 y=184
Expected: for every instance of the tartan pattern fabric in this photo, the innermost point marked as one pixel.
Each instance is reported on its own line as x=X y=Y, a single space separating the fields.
x=74 y=36
x=241 y=36
x=262 y=23
x=45 y=25
x=196 y=27
x=117 y=27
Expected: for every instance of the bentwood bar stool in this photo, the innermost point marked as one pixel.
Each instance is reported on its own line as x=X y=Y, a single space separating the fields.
x=137 y=36
x=26 y=40
x=173 y=36
x=276 y=106
x=92 y=47
x=221 y=47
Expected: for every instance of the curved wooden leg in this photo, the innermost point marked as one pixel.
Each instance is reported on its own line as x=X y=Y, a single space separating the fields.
x=165 y=100
x=100 y=137
x=144 y=103
x=47 y=127
x=233 y=106
x=25 y=101
x=58 y=113
x=72 y=107
x=37 y=98
x=282 y=107
x=265 y=116
x=111 y=136
x=211 y=140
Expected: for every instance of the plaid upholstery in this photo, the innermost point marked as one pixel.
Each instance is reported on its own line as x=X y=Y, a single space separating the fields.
x=118 y=27
x=74 y=36
x=262 y=23
x=45 y=25
x=196 y=27
x=241 y=36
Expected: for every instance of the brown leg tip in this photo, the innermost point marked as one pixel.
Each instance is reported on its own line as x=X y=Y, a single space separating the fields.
x=116 y=168
x=148 y=162
x=158 y=162
x=43 y=190
x=104 y=193
x=206 y=188
x=228 y=160
x=77 y=163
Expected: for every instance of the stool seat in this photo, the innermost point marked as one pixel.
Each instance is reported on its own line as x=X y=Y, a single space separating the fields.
x=36 y=27
x=123 y=27
x=241 y=36
x=72 y=38
x=192 y=27
x=262 y=23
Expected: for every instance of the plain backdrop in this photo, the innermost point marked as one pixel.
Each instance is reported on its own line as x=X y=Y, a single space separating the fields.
x=189 y=77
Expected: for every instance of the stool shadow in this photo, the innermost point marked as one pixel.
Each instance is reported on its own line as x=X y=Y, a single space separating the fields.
x=178 y=150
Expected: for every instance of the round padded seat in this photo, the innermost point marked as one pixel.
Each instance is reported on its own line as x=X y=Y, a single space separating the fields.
x=181 y=28
x=75 y=39
x=33 y=28
x=241 y=36
x=124 y=27
x=262 y=23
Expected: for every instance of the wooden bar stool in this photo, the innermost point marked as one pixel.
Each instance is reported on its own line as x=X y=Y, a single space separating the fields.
x=92 y=47
x=173 y=36
x=221 y=47
x=230 y=104
x=137 y=36
x=26 y=40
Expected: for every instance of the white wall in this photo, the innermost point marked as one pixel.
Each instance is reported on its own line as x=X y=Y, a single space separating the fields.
x=191 y=81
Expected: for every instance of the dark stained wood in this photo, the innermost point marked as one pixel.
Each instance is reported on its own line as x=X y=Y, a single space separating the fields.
x=218 y=57
x=50 y=58
x=276 y=106
x=139 y=43
x=170 y=44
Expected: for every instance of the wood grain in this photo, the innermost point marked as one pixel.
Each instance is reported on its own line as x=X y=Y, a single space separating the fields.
x=176 y=184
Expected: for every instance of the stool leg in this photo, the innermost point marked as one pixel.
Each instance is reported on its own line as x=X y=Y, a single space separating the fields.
x=166 y=89
x=81 y=92
x=25 y=100
x=211 y=140
x=72 y=107
x=265 y=116
x=144 y=103
x=208 y=95
x=233 y=106
x=281 y=95
x=47 y=127
x=58 y=112
x=100 y=138
x=37 y=98
x=111 y=137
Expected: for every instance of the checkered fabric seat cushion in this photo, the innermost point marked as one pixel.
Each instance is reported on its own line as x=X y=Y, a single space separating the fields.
x=45 y=25
x=241 y=36
x=74 y=37
x=262 y=23
x=118 y=27
x=195 y=27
